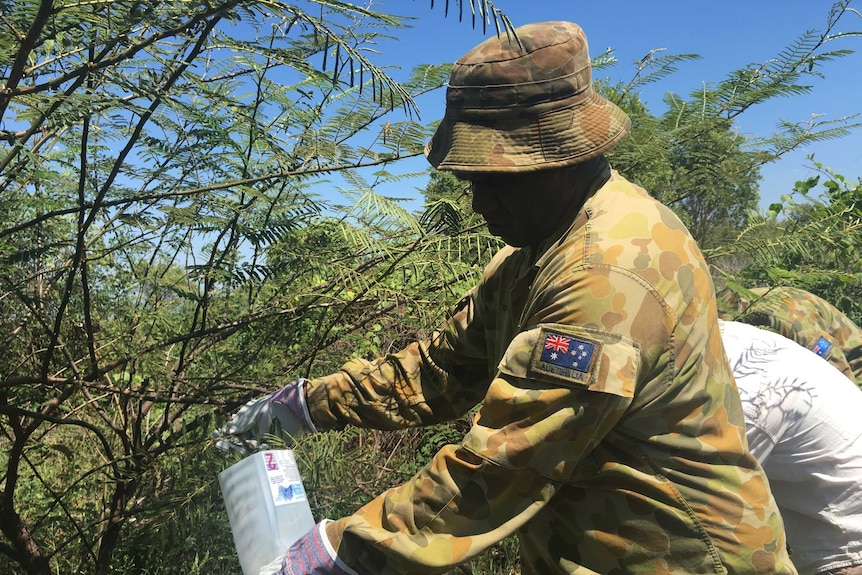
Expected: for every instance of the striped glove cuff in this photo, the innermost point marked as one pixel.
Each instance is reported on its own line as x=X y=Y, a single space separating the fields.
x=312 y=554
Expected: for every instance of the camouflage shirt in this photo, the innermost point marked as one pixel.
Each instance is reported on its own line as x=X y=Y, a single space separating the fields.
x=610 y=437
x=810 y=321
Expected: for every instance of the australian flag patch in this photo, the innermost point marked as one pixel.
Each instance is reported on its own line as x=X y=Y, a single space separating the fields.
x=566 y=356
x=822 y=347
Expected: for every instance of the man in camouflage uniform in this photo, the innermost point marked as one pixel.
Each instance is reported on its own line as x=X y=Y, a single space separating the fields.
x=610 y=437
x=810 y=321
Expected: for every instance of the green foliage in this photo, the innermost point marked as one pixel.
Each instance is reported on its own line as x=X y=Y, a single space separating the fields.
x=816 y=245
x=166 y=252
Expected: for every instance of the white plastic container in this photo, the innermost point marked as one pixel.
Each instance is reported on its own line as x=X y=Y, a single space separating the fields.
x=267 y=508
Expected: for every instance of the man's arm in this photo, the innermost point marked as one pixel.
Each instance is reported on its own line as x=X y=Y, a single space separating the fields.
x=428 y=382
x=528 y=437
x=539 y=419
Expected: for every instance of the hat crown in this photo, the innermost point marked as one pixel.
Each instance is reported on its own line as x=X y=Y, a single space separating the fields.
x=551 y=64
x=525 y=104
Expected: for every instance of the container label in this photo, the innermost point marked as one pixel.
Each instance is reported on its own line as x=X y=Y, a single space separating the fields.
x=285 y=483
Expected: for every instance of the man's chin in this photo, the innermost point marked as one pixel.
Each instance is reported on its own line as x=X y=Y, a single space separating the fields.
x=511 y=237
x=514 y=241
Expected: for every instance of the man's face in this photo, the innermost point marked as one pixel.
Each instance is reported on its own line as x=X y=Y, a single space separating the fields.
x=520 y=208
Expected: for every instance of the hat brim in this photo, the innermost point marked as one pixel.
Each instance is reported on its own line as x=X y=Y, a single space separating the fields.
x=522 y=144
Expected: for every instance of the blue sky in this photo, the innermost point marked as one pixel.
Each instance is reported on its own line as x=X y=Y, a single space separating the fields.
x=727 y=34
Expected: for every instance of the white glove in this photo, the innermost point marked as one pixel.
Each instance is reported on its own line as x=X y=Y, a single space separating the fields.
x=285 y=407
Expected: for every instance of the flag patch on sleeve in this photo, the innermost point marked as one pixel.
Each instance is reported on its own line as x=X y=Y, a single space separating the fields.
x=565 y=356
x=822 y=347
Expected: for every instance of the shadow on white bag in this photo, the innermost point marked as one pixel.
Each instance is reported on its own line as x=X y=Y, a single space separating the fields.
x=267 y=508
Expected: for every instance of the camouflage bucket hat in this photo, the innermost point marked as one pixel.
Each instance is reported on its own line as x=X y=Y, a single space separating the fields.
x=519 y=108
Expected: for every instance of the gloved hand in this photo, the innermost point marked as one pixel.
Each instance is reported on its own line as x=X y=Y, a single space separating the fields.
x=246 y=428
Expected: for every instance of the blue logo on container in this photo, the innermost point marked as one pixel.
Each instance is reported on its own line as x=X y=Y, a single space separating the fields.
x=290 y=492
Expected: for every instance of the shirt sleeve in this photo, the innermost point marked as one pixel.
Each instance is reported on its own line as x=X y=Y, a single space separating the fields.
x=529 y=437
x=428 y=382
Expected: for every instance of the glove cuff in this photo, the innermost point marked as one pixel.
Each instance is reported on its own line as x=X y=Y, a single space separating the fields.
x=292 y=395
x=312 y=554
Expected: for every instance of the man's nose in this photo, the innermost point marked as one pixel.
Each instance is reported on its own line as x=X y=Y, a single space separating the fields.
x=484 y=199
